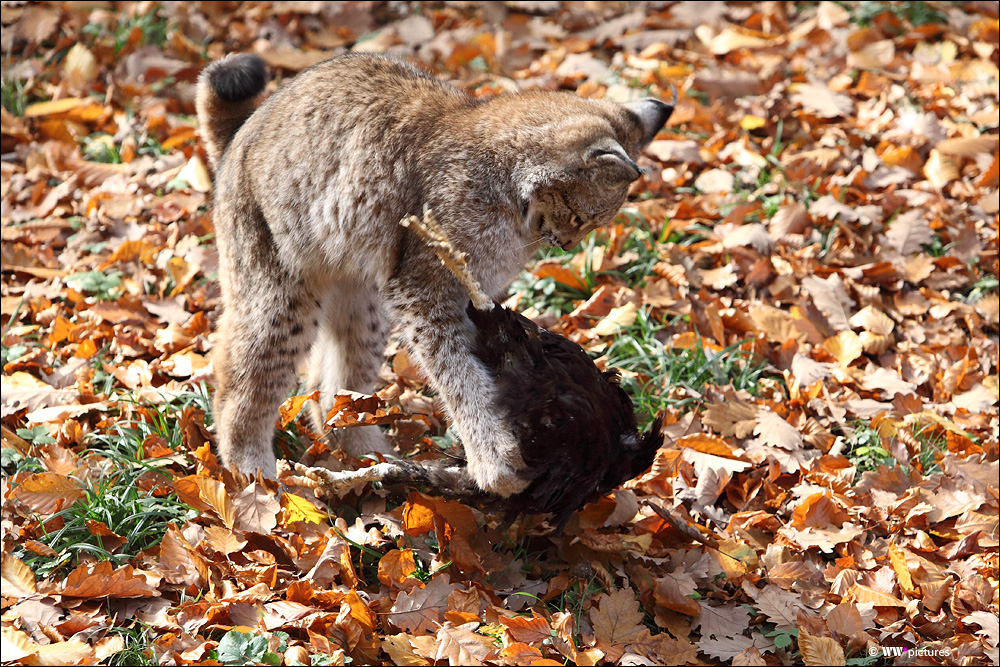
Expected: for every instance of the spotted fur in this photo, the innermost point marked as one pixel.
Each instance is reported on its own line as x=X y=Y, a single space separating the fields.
x=310 y=188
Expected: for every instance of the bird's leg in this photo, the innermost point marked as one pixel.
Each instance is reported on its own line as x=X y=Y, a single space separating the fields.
x=330 y=483
x=454 y=259
x=449 y=479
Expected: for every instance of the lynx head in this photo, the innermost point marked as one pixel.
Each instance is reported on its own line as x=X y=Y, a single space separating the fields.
x=587 y=165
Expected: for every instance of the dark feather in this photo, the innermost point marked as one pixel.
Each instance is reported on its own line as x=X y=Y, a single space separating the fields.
x=575 y=424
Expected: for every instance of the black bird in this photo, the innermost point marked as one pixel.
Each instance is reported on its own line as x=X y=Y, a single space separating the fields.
x=575 y=425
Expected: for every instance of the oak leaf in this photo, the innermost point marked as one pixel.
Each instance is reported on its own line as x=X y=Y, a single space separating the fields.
x=422 y=609
x=617 y=621
x=461 y=646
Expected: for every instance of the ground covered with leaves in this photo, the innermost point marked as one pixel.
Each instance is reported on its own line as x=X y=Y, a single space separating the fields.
x=805 y=284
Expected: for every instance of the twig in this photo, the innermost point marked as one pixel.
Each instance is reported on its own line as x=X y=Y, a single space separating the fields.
x=454 y=259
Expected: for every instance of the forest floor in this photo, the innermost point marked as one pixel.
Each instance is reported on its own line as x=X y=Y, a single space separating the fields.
x=804 y=284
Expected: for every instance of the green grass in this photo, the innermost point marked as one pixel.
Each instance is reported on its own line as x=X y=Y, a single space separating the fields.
x=14 y=96
x=916 y=13
x=640 y=247
x=987 y=284
x=138 y=648
x=153 y=29
x=102 y=286
x=650 y=368
x=99 y=147
x=546 y=294
x=932 y=443
x=119 y=492
x=115 y=499
x=865 y=449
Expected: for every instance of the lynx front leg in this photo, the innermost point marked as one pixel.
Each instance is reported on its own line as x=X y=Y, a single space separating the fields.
x=266 y=326
x=348 y=355
x=431 y=308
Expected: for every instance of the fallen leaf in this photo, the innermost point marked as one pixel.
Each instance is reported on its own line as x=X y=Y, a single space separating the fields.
x=102 y=580
x=820 y=650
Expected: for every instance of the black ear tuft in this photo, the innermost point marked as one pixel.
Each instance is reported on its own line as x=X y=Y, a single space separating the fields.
x=652 y=115
x=238 y=77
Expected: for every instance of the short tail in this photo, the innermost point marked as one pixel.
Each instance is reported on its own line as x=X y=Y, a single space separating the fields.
x=227 y=91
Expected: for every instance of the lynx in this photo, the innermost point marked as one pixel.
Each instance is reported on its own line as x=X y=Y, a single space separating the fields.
x=310 y=188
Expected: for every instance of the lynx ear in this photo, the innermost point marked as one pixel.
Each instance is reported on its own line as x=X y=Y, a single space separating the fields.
x=652 y=115
x=611 y=156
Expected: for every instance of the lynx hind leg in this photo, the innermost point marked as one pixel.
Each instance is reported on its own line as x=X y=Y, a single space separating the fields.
x=348 y=355
x=265 y=329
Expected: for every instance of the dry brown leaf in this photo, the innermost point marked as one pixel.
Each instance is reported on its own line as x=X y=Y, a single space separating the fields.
x=821 y=101
x=179 y=562
x=397 y=567
x=461 y=646
x=820 y=650
x=102 y=580
x=222 y=540
x=772 y=430
x=830 y=297
x=617 y=620
x=864 y=594
x=18 y=579
x=845 y=347
x=255 y=510
x=422 y=609
x=214 y=493
x=528 y=630
x=845 y=620
x=909 y=232
x=47 y=492
x=400 y=651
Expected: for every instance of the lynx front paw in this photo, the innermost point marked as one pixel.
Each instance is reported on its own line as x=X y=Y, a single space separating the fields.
x=498 y=470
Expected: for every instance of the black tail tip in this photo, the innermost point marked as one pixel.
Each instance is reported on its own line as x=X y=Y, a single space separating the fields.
x=238 y=77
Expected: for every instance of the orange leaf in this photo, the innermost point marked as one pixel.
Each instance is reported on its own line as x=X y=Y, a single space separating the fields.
x=61 y=328
x=520 y=653
x=47 y=492
x=396 y=567
x=54 y=107
x=86 y=349
x=104 y=580
x=129 y=251
x=292 y=406
x=418 y=515
x=860 y=593
x=709 y=444
x=461 y=617
x=819 y=511
x=898 y=559
x=560 y=274
x=527 y=630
